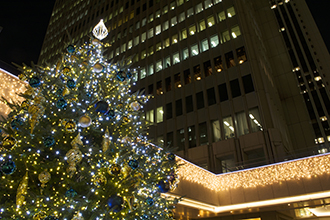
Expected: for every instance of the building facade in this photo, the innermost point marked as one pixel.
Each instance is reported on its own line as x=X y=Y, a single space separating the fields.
x=235 y=83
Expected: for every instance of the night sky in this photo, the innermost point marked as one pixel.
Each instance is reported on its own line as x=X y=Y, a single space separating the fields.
x=25 y=23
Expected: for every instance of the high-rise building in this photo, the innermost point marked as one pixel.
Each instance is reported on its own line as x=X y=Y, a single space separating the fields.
x=236 y=83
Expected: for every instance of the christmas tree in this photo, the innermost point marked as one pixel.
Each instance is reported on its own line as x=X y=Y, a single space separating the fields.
x=76 y=147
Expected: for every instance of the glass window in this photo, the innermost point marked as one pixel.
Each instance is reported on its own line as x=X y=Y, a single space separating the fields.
x=159 y=88
x=226 y=164
x=228 y=127
x=160 y=140
x=235 y=31
x=150 y=33
x=210 y=21
x=165 y=9
x=143 y=54
x=169 y=114
x=151 y=18
x=198 y=8
x=210 y=96
x=169 y=139
x=207 y=68
x=218 y=64
x=216 y=130
x=248 y=84
x=150 y=50
x=230 y=59
x=158 y=30
x=173 y=21
x=175 y=39
x=191 y=136
x=223 y=93
x=205 y=45
x=151 y=69
x=190 y=12
x=217 y=1
x=231 y=12
x=151 y=89
x=166 y=42
x=199 y=100
x=241 y=55
x=179 y=2
x=183 y=34
x=225 y=36
x=194 y=50
x=158 y=46
x=143 y=22
x=208 y=3
x=189 y=104
x=176 y=58
x=178 y=107
x=135 y=76
x=235 y=89
x=214 y=41
x=136 y=40
x=150 y=116
x=160 y=114
x=165 y=25
x=123 y=48
x=167 y=61
x=202 y=25
x=197 y=72
x=143 y=73
x=180 y=139
x=255 y=119
x=203 y=134
x=168 y=84
x=157 y=14
x=143 y=36
x=130 y=44
x=185 y=53
x=241 y=124
x=159 y=66
x=117 y=51
x=172 y=5
x=187 y=76
x=177 y=80
x=222 y=16
x=192 y=29
x=182 y=17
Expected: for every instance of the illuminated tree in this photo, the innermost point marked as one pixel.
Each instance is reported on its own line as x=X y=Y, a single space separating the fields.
x=76 y=148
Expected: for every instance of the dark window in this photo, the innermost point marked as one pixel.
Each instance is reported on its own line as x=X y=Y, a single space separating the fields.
x=126 y=5
x=197 y=72
x=132 y=2
x=230 y=59
x=102 y=10
x=169 y=139
x=189 y=104
x=248 y=84
x=180 y=139
x=318 y=103
x=211 y=96
x=199 y=100
x=97 y=13
x=151 y=89
x=169 y=110
x=138 y=11
x=187 y=76
x=168 y=84
x=178 y=107
x=218 y=64
x=309 y=106
x=235 y=90
x=241 y=55
x=191 y=136
x=177 y=80
x=144 y=7
x=111 y=4
x=207 y=68
x=223 y=93
x=203 y=134
x=159 y=88
x=151 y=3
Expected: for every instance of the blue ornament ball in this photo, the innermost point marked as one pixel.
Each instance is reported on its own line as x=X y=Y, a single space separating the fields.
x=163 y=186
x=133 y=164
x=16 y=123
x=70 y=193
x=59 y=92
x=8 y=167
x=150 y=201
x=129 y=75
x=70 y=48
x=121 y=76
x=61 y=103
x=49 y=141
x=111 y=114
x=71 y=84
x=115 y=203
x=101 y=106
x=34 y=81
x=171 y=156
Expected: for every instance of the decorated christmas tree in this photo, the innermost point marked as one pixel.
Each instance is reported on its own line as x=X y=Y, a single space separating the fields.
x=76 y=147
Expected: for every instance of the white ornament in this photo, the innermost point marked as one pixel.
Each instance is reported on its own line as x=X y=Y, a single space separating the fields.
x=100 y=31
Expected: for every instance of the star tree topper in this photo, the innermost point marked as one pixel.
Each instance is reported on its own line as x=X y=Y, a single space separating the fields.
x=100 y=31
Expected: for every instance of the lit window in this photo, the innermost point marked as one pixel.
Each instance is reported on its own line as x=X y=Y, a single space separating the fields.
x=157 y=14
x=210 y=21
x=151 y=69
x=192 y=29
x=144 y=22
x=225 y=36
x=205 y=45
x=202 y=25
x=150 y=116
x=180 y=139
x=231 y=12
x=241 y=55
x=158 y=30
x=143 y=73
x=185 y=53
x=235 y=31
x=159 y=66
x=117 y=51
x=222 y=16
x=143 y=37
x=255 y=120
x=208 y=3
x=151 y=18
x=214 y=41
x=136 y=40
x=176 y=58
x=165 y=25
x=175 y=39
x=121 y=9
x=181 y=17
x=150 y=33
x=143 y=54
x=183 y=34
x=230 y=61
x=179 y=2
x=158 y=46
x=194 y=50
x=172 y=5
x=216 y=130
x=177 y=80
x=167 y=62
x=218 y=64
x=199 y=8
x=197 y=73
x=217 y=1
x=123 y=48
x=241 y=124
x=165 y=9
x=159 y=88
x=131 y=16
x=190 y=12
x=150 y=50
x=160 y=114
x=228 y=127
x=173 y=21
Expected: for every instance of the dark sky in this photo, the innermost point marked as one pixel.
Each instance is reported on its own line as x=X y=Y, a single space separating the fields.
x=25 y=22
